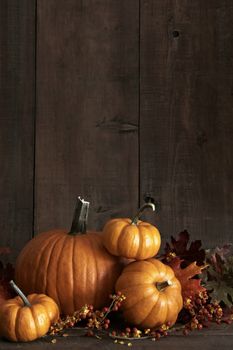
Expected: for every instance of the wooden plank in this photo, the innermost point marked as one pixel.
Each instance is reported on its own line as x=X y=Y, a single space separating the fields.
x=87 y=110
x=17 y=91
x=186 y=116
x=207 y=340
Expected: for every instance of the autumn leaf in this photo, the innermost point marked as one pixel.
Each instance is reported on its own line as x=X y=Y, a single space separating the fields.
x=219 y=277
x=186 y=251
x=4 y=250
x=190 y=283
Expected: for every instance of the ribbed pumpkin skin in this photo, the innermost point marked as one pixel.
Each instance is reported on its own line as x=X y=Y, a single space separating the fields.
x=144 y=305
x=23 y=323
x=72 y=269
x=139 y=242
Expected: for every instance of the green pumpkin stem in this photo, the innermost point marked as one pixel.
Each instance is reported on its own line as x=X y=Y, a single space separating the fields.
x=20 y=293
x=79 y=223
x=162 y=285
x=140 y=211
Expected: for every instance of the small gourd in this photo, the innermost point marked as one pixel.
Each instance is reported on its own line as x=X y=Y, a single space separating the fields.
x=27 y=318
x=153 y=294
x=132 y=238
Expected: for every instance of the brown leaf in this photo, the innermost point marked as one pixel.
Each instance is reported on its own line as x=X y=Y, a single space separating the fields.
x=186 y=251
x=190 y=285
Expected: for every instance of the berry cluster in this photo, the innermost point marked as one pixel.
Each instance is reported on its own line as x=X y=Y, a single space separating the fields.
x=135 y=333
x=198 y=311
x=93 y=319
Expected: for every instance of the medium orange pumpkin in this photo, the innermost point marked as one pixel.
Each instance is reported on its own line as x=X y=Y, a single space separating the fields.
x=25 y=319
x=72 y=267
x=153 y=294
x=132 y=239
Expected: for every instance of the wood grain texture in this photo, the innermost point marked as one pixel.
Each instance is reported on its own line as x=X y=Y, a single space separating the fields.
x=186 y=116
x=87 y=110
x=89 y=128
x=219 y=337
x=17 y=90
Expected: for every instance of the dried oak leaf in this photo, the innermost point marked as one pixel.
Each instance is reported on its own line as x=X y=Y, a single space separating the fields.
x=227 y=313
x=187 y=253
x=190 y=283
x=219 y=277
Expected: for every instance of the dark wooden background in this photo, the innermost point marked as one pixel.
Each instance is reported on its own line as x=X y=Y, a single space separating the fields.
x=115 y=100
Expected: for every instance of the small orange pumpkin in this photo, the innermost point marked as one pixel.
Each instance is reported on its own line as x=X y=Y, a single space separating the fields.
x=153 y=294
x=27 y=318
x=132 y=239
x=72 y=267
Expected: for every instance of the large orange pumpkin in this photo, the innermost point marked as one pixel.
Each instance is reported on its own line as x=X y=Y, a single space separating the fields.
x=132 y=239
x=153 y=294
x=71 y=267
x=27 y=318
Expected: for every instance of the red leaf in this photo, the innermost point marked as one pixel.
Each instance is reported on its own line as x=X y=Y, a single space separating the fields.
x=4 y=250
x=179 y=247
x=190 y=286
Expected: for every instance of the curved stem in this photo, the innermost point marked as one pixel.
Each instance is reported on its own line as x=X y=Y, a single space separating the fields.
x=162 y=285
x=79 y=222
x=140 y=211
x=20 y=293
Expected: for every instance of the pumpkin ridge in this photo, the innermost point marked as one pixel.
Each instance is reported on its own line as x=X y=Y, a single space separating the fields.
x=139 y=245
x=165 y=297
x=12 y=329
x=160 y=308
x=34 y=282
x=157 y=239
x=144 y=272
x=72 y=268
x=175 y=303
x=96 y=295
x=57 y=270
x=158 y=265
x=74 y=272
x=146 y=234
x=33 y=317
x=47 y=315
x=138 y=285
x=152 y=312
x=170 y=272
x=23 y=262
x=167 y=308
x=16 y=322
x=149 y=313
x=50 y=253
x=80 y=274
x=121 y=237
x=138 y=301
x=118 y=241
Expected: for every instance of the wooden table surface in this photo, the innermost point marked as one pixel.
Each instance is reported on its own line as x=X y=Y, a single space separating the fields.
x=215 y=337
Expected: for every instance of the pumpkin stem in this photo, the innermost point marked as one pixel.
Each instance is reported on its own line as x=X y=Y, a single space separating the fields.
x=162 y=285
x=20 y=293
x=140 y=211
x=79 y=222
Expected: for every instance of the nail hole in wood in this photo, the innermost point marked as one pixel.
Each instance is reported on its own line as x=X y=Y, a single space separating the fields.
x=175 y=34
